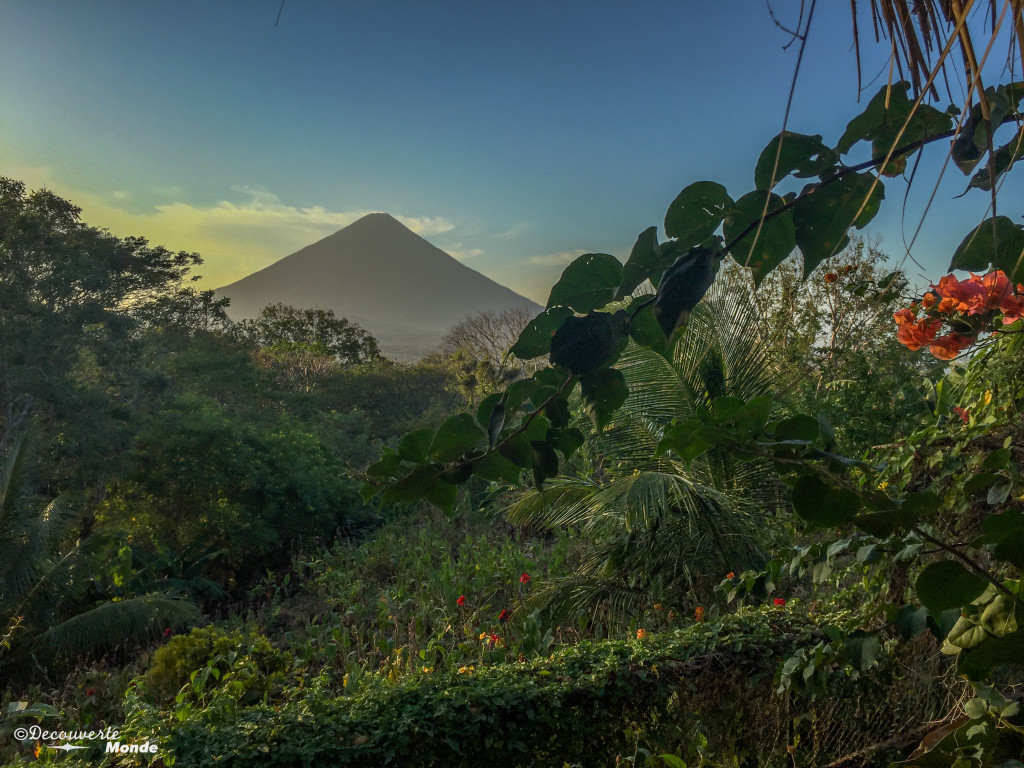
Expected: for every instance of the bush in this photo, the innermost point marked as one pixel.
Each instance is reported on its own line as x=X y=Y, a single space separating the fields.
x=704 y=692
x=174 y=663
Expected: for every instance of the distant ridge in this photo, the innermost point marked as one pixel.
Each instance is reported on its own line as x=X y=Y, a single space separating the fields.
x=380 y=274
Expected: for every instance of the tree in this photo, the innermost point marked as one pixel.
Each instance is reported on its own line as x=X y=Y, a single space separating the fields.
x=832 y=345
x=44 y=582
x=306 y=345
x=70 y=299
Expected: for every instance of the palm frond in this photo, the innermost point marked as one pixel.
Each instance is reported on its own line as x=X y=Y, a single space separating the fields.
x=115 y=621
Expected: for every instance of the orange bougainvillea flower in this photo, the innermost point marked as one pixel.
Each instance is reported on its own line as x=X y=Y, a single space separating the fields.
x=929 y=300
x=1012 y=308
x=904 y=316
x=998 y=286
x=919 y=334
x=699 y=613
x=641 y=634
x=730 y=575
x=963 y=295
x=975 y=295
x=831 y=277
x=950 y=345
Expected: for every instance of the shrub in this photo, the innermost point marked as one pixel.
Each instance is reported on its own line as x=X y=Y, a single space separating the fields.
x=174 y=663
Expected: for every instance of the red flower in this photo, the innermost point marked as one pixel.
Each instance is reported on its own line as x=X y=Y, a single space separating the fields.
x=917 y=335
x=904 y=316
x=641 y=634
x=494 y=639
x=168 y=632
x=699 y=613
x=1012 y=308
x=524 y=578
x=461 y=600
x=503 y=616
x=964 y=296
x=778 y=601
x=90 y=692
x=950 y=345
x=963 y=413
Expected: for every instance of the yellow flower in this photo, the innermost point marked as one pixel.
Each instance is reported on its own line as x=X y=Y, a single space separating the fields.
x=657 y=606
x=428 y=670
x=883 y=485
x=483 y=636
x=988 y=396
x=465 y=670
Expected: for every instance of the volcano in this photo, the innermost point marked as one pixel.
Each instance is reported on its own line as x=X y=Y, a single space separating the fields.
x=380 y=274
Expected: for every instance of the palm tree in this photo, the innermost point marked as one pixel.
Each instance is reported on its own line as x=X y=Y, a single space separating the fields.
x=661 y=530
x=42 y=591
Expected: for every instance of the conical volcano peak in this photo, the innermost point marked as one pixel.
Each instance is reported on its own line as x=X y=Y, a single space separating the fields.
x=380 y=274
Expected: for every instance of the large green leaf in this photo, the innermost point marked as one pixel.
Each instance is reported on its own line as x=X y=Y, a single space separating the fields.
x=799 y=427
x=697 y=212
x=823 y=217
x=456 y=437
x=587 y=343
x=1004 y=534
x=862 y=649
x=801 y=155
x=1002 y=160
x=686 y=439
x=414 y=486
x=494 y=466
x=822 y=505
x=603 y=392
x=535 y=340
x=545 y=462
x=415 y=445
x=568 y=440
x=762 y=248
x=947 y=584
x=890 y=121
x=978 y=661
x=646 y=331
x=588 y=283
x=517 y=450
x=996 y=241
x=645 y=260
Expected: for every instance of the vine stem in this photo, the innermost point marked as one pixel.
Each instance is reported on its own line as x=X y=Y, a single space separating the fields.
x=967 y=561
x=906 y=149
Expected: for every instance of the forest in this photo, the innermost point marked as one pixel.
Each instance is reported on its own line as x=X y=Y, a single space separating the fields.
x=748 y=498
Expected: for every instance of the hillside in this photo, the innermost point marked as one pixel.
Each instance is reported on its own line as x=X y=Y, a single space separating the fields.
x=381 y=275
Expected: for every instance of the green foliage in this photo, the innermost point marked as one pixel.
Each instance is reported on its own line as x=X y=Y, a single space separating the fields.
x=292 y=330
x=662 y=527
x=43 y=578
x=175 y=662
x=199 y=472
x=664 y=693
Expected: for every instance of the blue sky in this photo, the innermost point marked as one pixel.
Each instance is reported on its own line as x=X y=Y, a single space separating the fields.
x=513 y=135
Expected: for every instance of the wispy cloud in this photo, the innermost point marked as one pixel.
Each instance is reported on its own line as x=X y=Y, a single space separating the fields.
x=460 y=252
x=555 y=259
x=235 y=237
x=515 y=231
